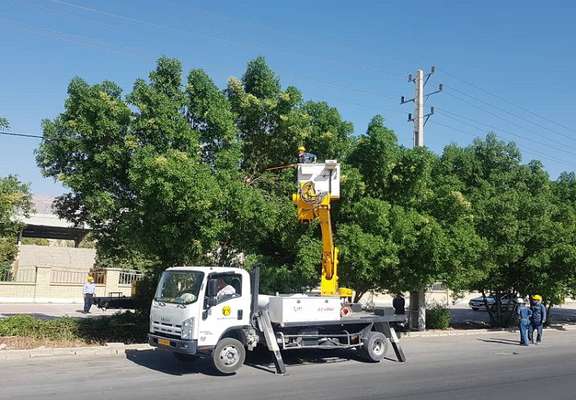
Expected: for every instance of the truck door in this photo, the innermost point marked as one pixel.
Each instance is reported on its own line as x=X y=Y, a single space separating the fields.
x=231 y=308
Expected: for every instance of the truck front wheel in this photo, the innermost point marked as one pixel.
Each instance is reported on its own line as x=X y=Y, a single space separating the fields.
x=228 y=355
x=375 y=347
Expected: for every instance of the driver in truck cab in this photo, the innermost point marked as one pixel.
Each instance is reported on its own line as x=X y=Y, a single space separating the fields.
x=224 y=289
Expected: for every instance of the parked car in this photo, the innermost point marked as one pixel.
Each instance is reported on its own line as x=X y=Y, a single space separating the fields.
x=508 y=302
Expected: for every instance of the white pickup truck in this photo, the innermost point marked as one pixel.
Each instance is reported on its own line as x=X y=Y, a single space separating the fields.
x=216 y=312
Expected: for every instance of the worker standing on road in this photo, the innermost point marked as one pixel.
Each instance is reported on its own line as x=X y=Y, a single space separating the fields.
x=538 y=318
x=88 y=291
x=399 y=304
x=524 y=314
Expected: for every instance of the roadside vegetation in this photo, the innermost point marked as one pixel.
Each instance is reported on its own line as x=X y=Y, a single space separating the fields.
x=177 y=171
x=438 y=317
x=23 y=331
x=15 y=199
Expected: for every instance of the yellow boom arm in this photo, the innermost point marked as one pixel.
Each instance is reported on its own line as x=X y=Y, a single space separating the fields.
x=311 y=206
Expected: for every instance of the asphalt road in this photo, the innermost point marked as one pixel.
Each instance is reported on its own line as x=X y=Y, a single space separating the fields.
x=464 y=367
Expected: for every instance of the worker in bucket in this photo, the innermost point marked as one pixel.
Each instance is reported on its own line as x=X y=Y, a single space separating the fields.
x=537 y=319
x=524 y=314
x=88 y=291
x=305 y=158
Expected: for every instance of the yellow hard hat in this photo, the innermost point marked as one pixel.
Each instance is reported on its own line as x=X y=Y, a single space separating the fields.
x=301 y=148
x=537 y=297
x=90 y=279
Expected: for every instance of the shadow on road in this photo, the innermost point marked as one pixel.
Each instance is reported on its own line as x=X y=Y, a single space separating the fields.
x=501 y=341
x=165 y=362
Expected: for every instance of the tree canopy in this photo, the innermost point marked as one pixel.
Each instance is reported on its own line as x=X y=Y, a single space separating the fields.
x=179 y=171
x=15 y=202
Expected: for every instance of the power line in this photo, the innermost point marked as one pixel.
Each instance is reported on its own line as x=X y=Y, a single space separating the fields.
x=506 y=100
x=85 y=41
x=515 y=115
x=501 y=117
x=457 y=117
x=27 y=135
x=211 y=36
x=544 y=156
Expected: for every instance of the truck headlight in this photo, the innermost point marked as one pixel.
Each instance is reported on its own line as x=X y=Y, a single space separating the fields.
x=187 y=328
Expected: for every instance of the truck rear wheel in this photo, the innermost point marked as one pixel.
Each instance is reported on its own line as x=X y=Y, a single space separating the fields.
x=375 y=347
x=228 y=355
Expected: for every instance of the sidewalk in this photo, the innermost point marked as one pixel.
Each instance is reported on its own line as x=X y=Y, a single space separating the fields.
x=51 y=311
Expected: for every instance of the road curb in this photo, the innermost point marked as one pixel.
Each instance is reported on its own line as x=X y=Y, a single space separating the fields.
x=469 y=332
x=120 y=349
x=111 y=349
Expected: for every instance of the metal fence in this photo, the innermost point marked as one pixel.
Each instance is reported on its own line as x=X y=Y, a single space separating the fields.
x=129 y=277
x=77 y=277
x=24 y=276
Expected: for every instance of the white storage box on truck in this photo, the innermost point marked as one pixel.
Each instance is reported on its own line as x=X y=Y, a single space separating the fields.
x=214 y=312
x=298 y=308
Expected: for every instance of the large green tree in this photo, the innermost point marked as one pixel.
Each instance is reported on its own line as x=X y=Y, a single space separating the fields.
x=527 y=230
x=178 y=171
x=419 y=217
x=15 y=202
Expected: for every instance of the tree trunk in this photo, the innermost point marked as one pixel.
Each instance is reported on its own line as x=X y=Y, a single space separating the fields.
x=358 y=295
x=548 y=315
x=418 y=310
x=488 y=309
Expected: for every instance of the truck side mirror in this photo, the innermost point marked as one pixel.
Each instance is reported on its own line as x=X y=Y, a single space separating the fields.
x=212 y=288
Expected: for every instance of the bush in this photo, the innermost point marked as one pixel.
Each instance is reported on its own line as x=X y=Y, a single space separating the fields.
x=438 y=317
x=125 y=327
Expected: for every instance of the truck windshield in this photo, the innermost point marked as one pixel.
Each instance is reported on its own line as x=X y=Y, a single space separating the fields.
x=179 y=287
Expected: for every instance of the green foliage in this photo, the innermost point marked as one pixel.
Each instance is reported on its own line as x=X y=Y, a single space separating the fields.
x=25 y=325
x=4 y=123
x=438 y=317
x=36 y=241
x=126 y=327
x=15 y=200
x=179 y=172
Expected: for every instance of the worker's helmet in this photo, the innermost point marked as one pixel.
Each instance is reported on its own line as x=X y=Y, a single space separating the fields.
x=90 y=279
x=301 y=148
x=537 y=297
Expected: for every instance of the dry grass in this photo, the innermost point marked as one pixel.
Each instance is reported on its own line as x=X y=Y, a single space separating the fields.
x=25 y=343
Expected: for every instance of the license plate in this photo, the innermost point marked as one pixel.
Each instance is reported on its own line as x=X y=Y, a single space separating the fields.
x=164 y=342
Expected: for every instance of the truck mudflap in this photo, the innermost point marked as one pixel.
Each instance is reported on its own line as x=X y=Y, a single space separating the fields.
x=175 y=345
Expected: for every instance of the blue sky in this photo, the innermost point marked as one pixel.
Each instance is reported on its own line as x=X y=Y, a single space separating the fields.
x=506 y=66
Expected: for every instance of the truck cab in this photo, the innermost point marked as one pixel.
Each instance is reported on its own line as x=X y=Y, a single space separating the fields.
x=216 y=312
x=195 y=308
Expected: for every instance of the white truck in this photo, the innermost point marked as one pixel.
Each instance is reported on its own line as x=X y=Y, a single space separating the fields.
x=216 y=312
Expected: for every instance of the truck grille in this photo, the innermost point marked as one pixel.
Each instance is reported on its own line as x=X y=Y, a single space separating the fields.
x=166 y=329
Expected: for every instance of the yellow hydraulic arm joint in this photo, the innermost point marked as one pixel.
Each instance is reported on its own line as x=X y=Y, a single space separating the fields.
x=311 y=206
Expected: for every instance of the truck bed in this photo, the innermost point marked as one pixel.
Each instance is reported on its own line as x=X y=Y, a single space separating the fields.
x=354 y=319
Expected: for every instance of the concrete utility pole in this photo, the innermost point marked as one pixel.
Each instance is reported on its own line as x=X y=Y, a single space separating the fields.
x=417 y=316
x=420 y=118
x=419 y=110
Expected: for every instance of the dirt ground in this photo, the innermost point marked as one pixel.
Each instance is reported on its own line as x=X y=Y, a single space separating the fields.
x=24 y=343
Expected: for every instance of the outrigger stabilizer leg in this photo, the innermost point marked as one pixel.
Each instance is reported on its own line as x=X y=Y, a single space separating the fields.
x=390 y=333
x=265 y=326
